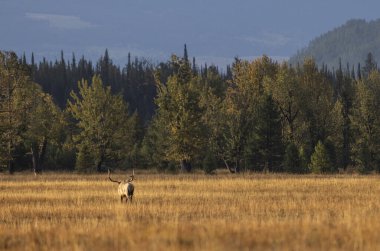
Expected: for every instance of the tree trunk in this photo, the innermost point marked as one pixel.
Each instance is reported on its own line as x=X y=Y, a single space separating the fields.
x=237 y=166
x=99 y=166
x=266 y=167
x=35 y=159
x=10 y=142
x=11 y=167
x=186 y=166
x=42 y=152
x=38 y=155
x=228 y=167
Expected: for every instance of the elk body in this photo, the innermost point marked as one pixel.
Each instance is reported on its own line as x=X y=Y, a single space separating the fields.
x=126 y=187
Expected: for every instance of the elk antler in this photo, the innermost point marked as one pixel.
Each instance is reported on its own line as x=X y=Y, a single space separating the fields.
x=109 y=176
x=132 y=176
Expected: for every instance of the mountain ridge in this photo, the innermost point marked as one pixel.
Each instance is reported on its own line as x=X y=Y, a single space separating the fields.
x=349 y=43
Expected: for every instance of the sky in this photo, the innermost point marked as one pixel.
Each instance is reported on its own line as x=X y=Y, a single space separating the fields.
x=215 y=31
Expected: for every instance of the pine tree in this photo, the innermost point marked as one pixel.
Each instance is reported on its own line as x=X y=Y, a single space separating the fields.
x=331 y=151
x=370 y=65
x=73 y=62
x=304 y=164
x=359 y=71
x=105 y=68
x=24 y=63
x=185 y=55
x=292 y=162
x=194 y=67
x=268 y=134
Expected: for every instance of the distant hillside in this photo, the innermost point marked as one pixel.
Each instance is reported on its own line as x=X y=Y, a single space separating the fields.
x=350 y=42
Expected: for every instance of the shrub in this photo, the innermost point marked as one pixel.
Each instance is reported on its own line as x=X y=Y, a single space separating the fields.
x=320 y=160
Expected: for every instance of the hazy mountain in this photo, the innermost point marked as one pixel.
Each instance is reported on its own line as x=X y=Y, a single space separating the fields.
x=349 y=43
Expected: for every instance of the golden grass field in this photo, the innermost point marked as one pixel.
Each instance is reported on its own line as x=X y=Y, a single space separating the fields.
x=190 y=212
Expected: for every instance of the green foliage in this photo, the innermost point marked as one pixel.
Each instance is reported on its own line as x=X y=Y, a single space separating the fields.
x=45 y=125
x=320 y=159
x=214 y=121
x=155 y=144
x=60 y=157
x=104 y=127
x=304 y=163
x=286 y=90
x=209 y=163
x=292 y=162
x=340 y=137
x=30 y=121
x=179 y=115
x=366 y=123
x=202 y=118
x=240 y=111
x=330 y=148
x=316 y=110
x=268 y=135
x=85 y=159
x=28 y=117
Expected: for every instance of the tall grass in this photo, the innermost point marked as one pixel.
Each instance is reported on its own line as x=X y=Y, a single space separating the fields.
x=190 y=212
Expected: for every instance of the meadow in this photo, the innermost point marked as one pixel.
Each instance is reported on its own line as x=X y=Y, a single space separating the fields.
x=190 y=212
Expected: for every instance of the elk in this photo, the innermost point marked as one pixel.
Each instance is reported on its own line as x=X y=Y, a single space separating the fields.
x=126 y=188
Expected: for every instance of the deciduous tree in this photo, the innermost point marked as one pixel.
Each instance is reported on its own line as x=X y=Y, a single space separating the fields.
x=102 y=121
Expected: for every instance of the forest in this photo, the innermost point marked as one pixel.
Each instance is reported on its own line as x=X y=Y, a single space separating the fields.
x=260 y=115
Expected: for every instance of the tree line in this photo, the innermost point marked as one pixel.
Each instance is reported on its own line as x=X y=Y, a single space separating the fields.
x=258 y=115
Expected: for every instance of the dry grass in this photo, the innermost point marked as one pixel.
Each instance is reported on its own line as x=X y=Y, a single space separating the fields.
x=190 y=212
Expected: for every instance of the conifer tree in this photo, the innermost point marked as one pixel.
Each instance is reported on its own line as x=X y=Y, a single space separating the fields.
x=359 y=72
x=292 y=162
x=185 y=55
x=194 y=67
x=304 y=164
x=370 y=65
x=268 y=135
